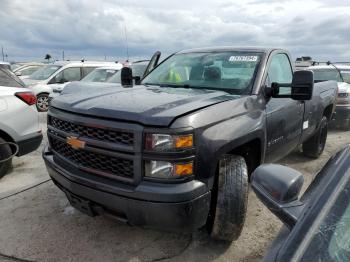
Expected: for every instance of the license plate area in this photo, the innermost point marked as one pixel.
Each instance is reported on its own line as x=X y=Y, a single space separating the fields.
x=83 y=205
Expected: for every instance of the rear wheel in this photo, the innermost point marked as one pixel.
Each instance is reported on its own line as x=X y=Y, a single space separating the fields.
x=5 y=152
x=42 y=102
x=229 y=207
x=315 y=145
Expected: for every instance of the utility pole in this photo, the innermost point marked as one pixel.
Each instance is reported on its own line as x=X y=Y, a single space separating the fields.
x=2 y=52
x=63 y=55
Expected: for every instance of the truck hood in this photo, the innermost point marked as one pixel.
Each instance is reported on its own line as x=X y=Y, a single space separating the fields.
x=155 y=106
x=77 y=87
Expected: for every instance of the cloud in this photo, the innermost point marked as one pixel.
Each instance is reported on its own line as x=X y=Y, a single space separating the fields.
x=94 y=29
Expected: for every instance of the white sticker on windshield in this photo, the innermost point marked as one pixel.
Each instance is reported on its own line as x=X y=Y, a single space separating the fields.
x=243 y=58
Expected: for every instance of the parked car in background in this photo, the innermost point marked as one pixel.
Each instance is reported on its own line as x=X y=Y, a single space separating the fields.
x=303 y=62
x=85 y=85
x=98 y=75
x=102 y=74
x=175 y=152
x=5 y=65
x=341 y=74
x=316 y=226
x=19 y=120
x=138 y=70
x=15 y=65
x=25 y=70
x=58 y=74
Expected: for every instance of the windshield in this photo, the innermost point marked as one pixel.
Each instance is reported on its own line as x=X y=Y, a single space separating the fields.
x=100 y=75
x=45 y=72
x=231 y=71
x=327 y=74
x=331 y=241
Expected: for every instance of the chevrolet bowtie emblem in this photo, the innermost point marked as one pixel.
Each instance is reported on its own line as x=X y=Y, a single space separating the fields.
x=75 y=143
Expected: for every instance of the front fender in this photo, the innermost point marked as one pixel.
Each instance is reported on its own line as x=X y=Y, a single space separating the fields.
x=223 y=127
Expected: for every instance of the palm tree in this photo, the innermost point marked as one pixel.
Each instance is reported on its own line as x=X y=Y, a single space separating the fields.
x=48 y=57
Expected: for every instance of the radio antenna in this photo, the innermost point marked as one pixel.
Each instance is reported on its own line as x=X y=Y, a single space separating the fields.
x=126 y=42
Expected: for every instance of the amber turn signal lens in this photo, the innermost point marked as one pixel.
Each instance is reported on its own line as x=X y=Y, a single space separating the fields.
x=184 y=141
x=184 y=169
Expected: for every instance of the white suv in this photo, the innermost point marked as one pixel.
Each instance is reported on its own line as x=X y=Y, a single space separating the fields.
x=57 y=74
x=19 y=120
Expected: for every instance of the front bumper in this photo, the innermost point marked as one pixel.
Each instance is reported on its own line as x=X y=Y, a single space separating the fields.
x=341 y=116
x=160 y=206
x=29 y=145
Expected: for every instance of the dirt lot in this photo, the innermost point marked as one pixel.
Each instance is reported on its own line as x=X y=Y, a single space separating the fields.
x=38 y=224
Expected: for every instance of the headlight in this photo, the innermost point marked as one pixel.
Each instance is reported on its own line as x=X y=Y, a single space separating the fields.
x=164 y=169
x=164 y=142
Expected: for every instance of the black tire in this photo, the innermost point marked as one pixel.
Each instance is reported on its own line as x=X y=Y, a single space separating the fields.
x=315 y=145
x=42 y=102
x=5 y=152
x=229 y=210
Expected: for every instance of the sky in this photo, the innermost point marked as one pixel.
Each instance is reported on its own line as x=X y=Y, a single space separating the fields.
x=104 y=29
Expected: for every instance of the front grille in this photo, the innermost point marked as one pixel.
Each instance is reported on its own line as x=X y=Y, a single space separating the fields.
x=108 y=164
x=102 y=134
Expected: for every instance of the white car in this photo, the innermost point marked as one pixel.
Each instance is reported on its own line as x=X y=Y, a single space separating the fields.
x=25 y=70
x=19 y=120
x=341 y=74
x=58 y=74
x=98 y=75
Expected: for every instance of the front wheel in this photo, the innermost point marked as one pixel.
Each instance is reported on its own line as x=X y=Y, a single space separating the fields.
x=229 y=209
x=315 y=145
x=42 y=102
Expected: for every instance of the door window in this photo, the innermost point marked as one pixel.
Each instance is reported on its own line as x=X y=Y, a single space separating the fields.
x=87 y=70
x=280 y=71
x=68 y=75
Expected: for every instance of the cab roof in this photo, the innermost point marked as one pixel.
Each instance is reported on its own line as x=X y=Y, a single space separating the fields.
x=229 y=48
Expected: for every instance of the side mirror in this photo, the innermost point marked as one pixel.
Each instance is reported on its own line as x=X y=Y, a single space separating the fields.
x=302 y=85
x=126 y=76
x=137 y=80
x=18 y=73
x=278 y=187
x=62 y=81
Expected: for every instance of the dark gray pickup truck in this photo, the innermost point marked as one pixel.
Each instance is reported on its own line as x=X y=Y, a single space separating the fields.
x=176 y=151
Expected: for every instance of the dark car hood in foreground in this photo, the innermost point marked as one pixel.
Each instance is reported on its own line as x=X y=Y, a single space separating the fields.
x=156 y=106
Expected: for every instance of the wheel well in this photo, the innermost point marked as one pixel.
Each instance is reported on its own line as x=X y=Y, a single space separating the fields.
x=328 y=112
x=7 y=138
x=251 y=152
x=43 y=93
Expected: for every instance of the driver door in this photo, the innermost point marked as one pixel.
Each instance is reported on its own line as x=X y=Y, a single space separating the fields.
x=284 y=115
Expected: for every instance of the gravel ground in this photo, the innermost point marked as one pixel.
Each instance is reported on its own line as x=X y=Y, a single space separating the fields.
x=40 y=225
